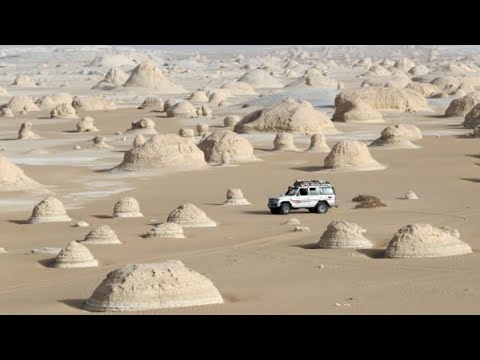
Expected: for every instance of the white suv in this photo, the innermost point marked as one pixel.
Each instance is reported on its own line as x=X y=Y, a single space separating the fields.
x=315 y=195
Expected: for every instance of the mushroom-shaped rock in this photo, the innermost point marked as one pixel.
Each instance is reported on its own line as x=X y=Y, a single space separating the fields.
x=425 y=240
x=127 y=207
x=25 y=131
x=102 y=235
x=49 y=210
x=235 y=197
x=189 y=215
x=198 y=96
x=168 y=230
x=393 y=137
x=164 y=151
x=144 y=126
x=231 y=120
x=287 y=116
x=318 y=144
x=65 y=111
x=221 y=142
x=284 y=142
x=75 y=255
x=345 y=235
x=183 y=109
x=351 y=154
x=153 y=286
x=153 y=102
x=86 y=124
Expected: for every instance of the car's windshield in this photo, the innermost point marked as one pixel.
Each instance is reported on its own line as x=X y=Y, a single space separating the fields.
x=291 y=191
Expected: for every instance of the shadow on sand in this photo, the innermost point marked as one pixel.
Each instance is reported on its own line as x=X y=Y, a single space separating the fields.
x=74 y=303
x=372 y=253
x=474 y=180
x=102 y=216
x=48 y=263
x=309 y=246
x=19 y=222
x=309 y=168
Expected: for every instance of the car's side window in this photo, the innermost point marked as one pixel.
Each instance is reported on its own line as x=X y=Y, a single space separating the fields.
x=314 y=191
x=303 y=192
x=327 y=191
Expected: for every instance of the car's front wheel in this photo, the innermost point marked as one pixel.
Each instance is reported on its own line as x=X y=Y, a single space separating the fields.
x=285 y=208
x=321 y=208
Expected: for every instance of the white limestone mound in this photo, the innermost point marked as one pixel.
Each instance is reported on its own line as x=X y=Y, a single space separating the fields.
x=189 y=215
x=205 y=111
x=183 y=109
x=292 y=221
x=427 y=90
x=148 y=75
x=358 y=112
x=412 y=132
x=235 y=197
x=404 y=64
x=25 y=132
x=99 y=142
x=127 y=207
x=49 y=210
x=239 y=88
x=169 y=103
x=221 y=142
x=168 y=230
x=108 y=60
x=86 y=124
x=12 y=178
x=301 y=228
x=411 y=195
x=92 y=103
x=202 y=129
x=82 y=224
x=75 y=255
x=316 y=80
x=288 y=116
x=24 y=81
x=284 y=142
x=198 y=96
x=102 y=235
x=377 y=70
x=425 y=240
x=393 y=137
x=462 y=106
x=6 y=113
x=3 y=92
x=139 y=140
x=153 y=286
x=419 y=70
x=50 y=101
x=351 y=154
x=260 y=79
x=153 y=102
x=344 y=235
x=187 y=133
x=115 y=77
x=19 y=103
x=447 y=84
x=318 y=144
x=64 y=111
x=231 y=120
x=164 y=151
x=472 y=119
x=379 y=98
x=143 y=126
x=476 y=132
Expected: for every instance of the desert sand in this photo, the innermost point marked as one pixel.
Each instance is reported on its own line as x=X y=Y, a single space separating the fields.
x=221 y=259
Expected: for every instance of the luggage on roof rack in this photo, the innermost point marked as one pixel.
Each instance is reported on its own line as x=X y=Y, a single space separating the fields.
x=311 y=182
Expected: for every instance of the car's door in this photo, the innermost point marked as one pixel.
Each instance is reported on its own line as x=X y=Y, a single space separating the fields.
x=314 y=195
x=302 y=199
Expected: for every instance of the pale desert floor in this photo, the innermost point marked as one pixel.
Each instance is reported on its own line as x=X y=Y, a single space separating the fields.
x=258 y=264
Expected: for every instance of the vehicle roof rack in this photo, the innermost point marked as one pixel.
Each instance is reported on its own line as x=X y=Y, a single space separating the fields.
x=311 y=182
